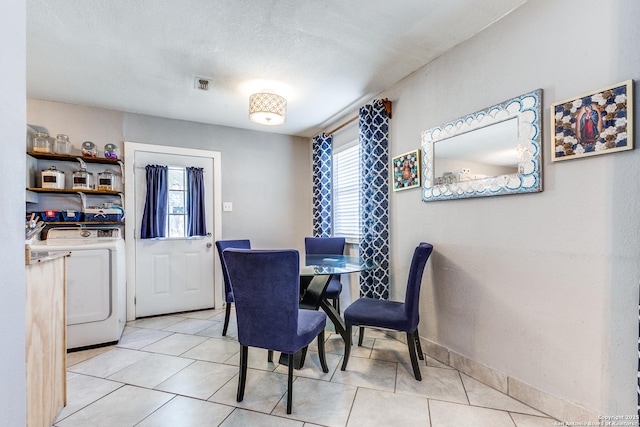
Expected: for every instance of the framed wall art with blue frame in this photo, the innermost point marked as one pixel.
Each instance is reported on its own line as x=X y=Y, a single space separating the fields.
x=594 y=123
x=405 y=169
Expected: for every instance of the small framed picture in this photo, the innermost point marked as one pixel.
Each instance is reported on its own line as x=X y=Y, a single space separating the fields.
x=406 y=170
x=594 y=123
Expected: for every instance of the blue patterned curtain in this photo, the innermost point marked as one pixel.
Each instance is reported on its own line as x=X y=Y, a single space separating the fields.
x=322 y=146
x=374 y=199
x=154 y=216
x=196 y=208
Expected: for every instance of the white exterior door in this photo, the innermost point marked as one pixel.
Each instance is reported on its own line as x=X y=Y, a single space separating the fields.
x=175 y=273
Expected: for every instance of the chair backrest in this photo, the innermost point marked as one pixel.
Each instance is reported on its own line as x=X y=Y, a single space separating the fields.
x=265 y=287
x=412 y=297
x=324 y=245
x=221 y=245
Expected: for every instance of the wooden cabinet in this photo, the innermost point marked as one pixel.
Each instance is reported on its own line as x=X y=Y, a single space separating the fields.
x=46 y=340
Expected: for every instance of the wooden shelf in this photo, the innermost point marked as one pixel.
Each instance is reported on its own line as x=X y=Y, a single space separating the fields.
x=72 y=158
x=33 y=198
x=70 y=191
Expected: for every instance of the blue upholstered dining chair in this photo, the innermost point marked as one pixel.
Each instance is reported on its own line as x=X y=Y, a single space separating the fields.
x=328 y=246
x=221 y=245
x=266 y=289
x=397 y=316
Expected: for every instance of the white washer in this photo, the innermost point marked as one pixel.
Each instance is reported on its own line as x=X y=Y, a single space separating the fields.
x=96 y=283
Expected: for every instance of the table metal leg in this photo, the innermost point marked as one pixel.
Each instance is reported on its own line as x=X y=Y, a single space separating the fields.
x=312 y=289
x=312 y=294
x=336 y=319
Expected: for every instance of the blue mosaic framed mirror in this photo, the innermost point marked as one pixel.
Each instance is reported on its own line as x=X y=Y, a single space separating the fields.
x=495 y=151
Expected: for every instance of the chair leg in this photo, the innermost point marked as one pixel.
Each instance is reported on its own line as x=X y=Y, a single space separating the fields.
x=336 y=304
x=303 y=356
x=411 y=343
x=242 y=376
x=323 y=359
x=270 y=356
x=290 y=384
x=347 y=349
x=360 y=336
x=418 y=345
x=227 y=314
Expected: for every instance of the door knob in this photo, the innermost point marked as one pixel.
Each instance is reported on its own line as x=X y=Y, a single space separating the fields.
x=209 y=245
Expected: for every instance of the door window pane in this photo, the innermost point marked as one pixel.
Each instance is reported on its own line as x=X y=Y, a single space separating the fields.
x=176 y=226
x=176 y=178
x=177 y=201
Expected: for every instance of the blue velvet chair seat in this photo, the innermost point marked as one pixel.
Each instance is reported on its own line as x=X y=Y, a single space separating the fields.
x=379 y=314
x=334 y=288
x=310 y=324
x=228 y=297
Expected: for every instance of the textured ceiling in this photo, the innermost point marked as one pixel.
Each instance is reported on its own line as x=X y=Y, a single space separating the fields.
x=326 y=57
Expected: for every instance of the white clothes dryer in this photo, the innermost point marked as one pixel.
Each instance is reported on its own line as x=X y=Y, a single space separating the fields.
x=96 y=283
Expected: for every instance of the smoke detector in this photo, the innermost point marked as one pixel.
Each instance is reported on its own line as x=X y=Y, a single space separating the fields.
x=201 y=83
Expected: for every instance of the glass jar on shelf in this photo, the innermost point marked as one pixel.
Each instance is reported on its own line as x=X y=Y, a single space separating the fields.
x=89 y=149
x=111 y=152
x=82 y=180
x=42 y=143
x=107 y=181
x=52 y=178
x=62 y=144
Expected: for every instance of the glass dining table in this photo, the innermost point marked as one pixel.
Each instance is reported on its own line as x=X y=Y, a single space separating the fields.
x=315 y=274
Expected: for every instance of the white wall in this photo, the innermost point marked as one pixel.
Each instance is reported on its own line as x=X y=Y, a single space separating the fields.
x=12 y=162
x=264 y=175
x=542 y=287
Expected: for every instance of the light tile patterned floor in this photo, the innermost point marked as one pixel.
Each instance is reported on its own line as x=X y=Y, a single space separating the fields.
x=178 y=371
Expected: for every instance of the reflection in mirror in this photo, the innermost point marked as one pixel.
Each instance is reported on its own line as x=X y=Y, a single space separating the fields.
x=488 y=151
x=491 y=152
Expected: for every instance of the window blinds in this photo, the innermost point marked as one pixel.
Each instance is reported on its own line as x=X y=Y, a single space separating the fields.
x=346 y=192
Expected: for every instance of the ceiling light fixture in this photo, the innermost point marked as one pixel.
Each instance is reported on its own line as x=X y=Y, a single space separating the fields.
x=267 y=108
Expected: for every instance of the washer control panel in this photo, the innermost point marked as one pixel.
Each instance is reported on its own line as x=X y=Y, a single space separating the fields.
x=82 y=233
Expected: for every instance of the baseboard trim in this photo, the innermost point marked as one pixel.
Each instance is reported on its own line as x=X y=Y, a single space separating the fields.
x=542 y=401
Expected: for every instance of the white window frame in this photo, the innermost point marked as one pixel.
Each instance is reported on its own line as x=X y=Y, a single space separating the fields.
x=346 y=221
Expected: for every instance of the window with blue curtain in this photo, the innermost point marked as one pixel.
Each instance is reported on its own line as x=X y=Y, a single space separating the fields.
x=175 y=203
x=333 y=211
